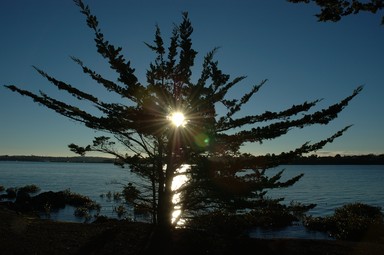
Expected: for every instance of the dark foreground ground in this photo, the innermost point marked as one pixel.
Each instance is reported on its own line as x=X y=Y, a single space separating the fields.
x=20 y=234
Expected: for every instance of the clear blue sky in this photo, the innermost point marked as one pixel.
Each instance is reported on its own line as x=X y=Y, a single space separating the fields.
x=275 y=40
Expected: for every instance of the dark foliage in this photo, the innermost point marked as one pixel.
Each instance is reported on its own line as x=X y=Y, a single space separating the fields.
x=220 y=176
x=46 y=202
x=268 y=214
x=369 y=159
x=354 y=222
x=334 y=10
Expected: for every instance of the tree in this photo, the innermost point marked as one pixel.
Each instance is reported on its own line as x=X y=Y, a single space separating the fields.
x=171 y=126
x=333 y=10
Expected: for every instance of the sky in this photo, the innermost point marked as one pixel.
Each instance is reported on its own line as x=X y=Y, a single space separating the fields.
x=302 y=59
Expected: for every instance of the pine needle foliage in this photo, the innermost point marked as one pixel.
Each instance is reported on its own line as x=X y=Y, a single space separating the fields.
x=207 y=146
x=335 y=10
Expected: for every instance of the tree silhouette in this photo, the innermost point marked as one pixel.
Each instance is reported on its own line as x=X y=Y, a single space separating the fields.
x=334 y=10
x=205 y=146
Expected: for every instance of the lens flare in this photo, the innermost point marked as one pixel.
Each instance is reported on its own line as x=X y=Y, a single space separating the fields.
x=202 y=140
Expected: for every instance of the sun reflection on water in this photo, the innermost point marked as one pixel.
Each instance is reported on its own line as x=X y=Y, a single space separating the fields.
x=178 y=181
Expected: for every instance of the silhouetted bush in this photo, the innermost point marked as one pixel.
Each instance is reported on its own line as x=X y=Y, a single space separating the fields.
x=11 y=193
x=221 y=223
x=83 y=212
x=78 y=200
x=352 y=222
x=49 y=201
x=120 y=210
x=15 y=192
x=2 y=189
x=269 y=214
x=30 y=189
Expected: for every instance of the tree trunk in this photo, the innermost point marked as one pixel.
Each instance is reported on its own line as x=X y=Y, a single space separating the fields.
x=160 y=239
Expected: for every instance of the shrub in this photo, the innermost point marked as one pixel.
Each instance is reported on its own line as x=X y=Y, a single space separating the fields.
x=120 y=210
x=78 y=200
x=352 y=222
x=270 y=213
x=83 y=212
x=30 y=189
x=11 y=193
x=220 y=223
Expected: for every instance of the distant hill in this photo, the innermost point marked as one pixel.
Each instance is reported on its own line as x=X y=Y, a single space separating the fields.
x=79 y=159
x=369 y=159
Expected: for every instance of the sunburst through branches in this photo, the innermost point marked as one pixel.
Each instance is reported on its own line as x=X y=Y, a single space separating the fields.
x=177 y=119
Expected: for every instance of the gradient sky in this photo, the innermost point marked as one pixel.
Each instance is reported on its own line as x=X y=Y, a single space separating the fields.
x=275 y=40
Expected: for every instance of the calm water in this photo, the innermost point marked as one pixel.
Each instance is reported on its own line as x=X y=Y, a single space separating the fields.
x=89 y=179
x=327 y=186
x=330 y=187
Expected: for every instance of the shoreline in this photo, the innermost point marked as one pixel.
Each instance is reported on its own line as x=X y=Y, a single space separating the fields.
x=366 y=159
x=23 y=234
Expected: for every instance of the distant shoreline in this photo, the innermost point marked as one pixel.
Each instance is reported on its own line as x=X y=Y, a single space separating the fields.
x=77 y=159
x=369 y=159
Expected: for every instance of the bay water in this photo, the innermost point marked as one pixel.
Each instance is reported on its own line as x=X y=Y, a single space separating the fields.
x=93 y=180
x=328 y=186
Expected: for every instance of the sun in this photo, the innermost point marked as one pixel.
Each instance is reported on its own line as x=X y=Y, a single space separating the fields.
x=177 y=119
